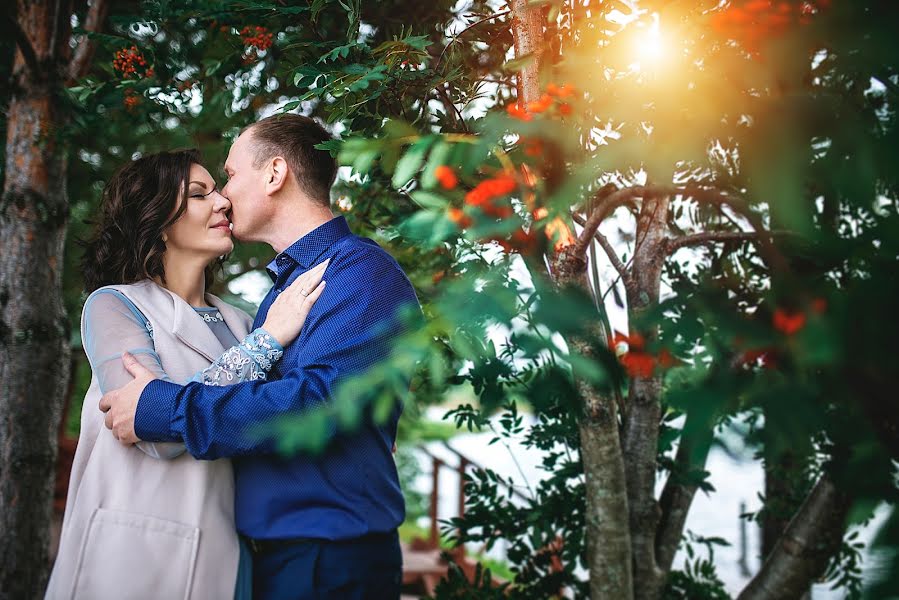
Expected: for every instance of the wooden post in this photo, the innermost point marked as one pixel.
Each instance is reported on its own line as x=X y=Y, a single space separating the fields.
x=463 y=464
x=744 y=560
x=435 y=495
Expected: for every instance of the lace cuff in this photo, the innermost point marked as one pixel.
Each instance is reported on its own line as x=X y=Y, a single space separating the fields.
x=248 y=361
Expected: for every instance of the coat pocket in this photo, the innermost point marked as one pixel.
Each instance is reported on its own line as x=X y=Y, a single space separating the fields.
x=135 y=556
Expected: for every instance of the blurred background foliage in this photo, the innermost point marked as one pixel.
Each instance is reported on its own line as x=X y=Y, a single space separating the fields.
x=791 y=112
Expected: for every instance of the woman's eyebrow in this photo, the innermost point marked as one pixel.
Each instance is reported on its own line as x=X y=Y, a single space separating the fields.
x=199 y=183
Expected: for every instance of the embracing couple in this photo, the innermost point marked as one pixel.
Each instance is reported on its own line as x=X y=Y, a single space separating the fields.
x=184 y=498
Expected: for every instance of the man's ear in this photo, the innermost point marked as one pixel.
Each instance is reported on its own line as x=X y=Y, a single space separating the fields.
x=275 y=175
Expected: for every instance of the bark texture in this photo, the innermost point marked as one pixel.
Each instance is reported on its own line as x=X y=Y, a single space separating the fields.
x=679 y=491
x=641 y=427
x=608 y=536
x=803 y=551
x=527 y=31
x=34 y=350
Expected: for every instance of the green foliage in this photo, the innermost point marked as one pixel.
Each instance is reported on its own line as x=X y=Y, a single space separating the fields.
x=699 y=579
x=885 y=581
x=482 y=587
x=799 y=130
x=543 y=525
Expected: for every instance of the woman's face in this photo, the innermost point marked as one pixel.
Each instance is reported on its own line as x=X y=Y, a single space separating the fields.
x=204 y=228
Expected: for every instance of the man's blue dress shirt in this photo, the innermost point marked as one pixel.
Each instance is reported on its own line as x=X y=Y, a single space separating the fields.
x=350 y=490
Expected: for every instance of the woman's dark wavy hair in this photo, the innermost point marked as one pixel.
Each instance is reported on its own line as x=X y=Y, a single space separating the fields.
x=139 y=202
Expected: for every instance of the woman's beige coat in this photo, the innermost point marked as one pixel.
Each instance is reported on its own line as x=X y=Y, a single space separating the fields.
x=139 y=527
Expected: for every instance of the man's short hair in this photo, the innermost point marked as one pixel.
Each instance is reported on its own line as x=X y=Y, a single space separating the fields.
x=294 y=137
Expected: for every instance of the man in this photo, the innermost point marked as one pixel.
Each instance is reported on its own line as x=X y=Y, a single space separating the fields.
x=319 y=526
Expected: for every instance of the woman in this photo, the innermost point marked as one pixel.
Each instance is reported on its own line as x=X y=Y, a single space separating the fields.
x=150 y=521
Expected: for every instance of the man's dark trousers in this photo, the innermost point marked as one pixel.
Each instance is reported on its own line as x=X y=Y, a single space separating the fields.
x=368 y=568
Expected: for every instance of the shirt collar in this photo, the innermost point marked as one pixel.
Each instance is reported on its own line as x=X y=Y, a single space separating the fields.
x=306 y=250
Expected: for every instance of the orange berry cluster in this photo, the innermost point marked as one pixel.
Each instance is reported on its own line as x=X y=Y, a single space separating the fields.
x=489 y=198
x=556 y=229
x=129 y=61
x=754 y=20
x=553 y=94
x=484 y=194
x=789 y=323
x=458 y=216
x=559 y=231
x=446 y=177
x=631 y=350
x=131 y=101
x=258 y=37
x=532 y=148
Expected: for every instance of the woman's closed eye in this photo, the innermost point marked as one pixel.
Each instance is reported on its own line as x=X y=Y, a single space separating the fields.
x=201 y=194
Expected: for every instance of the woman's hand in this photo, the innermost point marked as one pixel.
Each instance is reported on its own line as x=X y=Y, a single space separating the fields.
x=288 y=312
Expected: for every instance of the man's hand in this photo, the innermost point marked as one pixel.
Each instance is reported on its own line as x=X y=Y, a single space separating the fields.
x=120 y=405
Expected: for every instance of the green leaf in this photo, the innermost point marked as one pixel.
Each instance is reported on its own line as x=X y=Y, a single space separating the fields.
x=419 y=42
x=439 y=156
x=364 y=161
x=359 y=153
x=395 y=128
x=516 y=65
x=332 y=146
x=411 y=161
x=429 y=200
x=427 y=227
x=317 y=7
x=585 y=368
x=213 y=67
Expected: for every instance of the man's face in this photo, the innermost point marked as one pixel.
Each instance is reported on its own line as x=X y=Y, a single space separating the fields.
x=250 y=205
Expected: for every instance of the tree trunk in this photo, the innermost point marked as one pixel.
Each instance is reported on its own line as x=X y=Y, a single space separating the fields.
x=677 y=497
x=803 y=551
x=527 y=31
x=608 y=538
x=608 y=535
x=34 y=350
x=784 y=492
x=640 y=437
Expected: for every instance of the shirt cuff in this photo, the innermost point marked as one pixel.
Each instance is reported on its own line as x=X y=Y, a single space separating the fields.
x=153 y=417
x=263 y=348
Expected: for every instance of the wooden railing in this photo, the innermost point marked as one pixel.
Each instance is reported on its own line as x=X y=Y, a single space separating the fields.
x=463 y=464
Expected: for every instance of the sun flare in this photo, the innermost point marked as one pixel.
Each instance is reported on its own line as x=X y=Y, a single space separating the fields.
x=650 y=48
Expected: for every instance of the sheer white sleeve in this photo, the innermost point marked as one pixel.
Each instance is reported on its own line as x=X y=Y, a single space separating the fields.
x=250 y=360
x=113 y=325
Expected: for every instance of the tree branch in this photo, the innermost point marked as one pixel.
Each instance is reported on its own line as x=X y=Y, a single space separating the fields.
x=449 y=104
x=680 y=488
x=708 y=237
x=766 y=248
x=608 y=249
x=607 y=199
x=803 y=551
x=84 y=52
x=24 y=44
x=475 y=24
